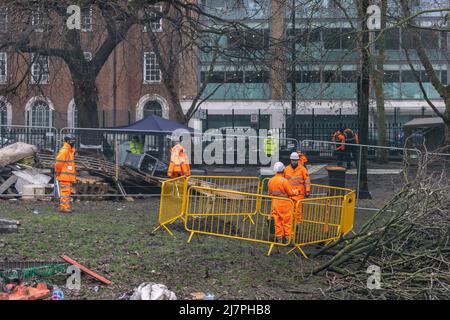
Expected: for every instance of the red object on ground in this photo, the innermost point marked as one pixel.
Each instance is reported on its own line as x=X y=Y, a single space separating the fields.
x=86 y=270
x=21 y=292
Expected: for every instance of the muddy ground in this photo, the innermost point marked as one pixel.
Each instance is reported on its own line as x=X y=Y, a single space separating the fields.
x=114 y=239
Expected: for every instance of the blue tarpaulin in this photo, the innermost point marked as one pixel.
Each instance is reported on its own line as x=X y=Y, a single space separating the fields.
x=155 y=123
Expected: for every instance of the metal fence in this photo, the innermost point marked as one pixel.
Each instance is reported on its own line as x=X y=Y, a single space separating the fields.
x=44 y=138
x=323 y=131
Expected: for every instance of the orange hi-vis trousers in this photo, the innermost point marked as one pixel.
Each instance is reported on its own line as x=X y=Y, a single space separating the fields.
x=282 y=214
x=65 y=189
x=298 y=210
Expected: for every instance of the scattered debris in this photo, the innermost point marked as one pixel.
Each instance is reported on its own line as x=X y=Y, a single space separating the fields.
x=57 y=294
x=86 y=270
x=152 y=291
x=22 y=292
x=198 y=295
x=202 y=296
x=8 y=226
x=97 y=176
x=16 y=152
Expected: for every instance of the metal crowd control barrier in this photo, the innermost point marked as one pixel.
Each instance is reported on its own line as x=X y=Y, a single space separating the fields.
x=173 y=196
x=232 y=214
x=44 y=138
x=174 y=193
x=234 y=207
x=323 y=219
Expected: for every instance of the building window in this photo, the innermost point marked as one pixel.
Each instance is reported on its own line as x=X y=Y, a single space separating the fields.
x=39 y=69
x=87 y=56
x=153 y=17
x=339 y=39
x=248 y=40
x=3 y=19
x=40 y=20
x=40 y=114
x=73 y=120
x=3 y=67
x=152 y=107
x=152 y=72
x=86 y=19
x=3 y=113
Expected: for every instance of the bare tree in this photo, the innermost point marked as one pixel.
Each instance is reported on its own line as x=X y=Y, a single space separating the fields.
x=443 y=90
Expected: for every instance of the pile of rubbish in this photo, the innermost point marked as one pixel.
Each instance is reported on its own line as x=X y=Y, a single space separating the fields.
x=28 y=174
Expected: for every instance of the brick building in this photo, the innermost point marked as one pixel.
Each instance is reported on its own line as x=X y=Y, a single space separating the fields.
x=130 y=87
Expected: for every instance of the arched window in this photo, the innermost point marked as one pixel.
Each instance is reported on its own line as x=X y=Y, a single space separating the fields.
x=3 y=113
x=152 y=107
x=73 y=120
x=40 y=114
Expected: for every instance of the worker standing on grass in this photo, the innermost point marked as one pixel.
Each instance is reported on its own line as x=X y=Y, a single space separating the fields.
x=352 y=151
x=339 y=138
x=65 y=172
x=281 y=210
x=298 y=177
x=136 y=146
x=270 y=144
x=179 y=161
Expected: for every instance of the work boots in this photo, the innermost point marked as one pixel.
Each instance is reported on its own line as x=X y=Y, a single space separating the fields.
x=279 y=240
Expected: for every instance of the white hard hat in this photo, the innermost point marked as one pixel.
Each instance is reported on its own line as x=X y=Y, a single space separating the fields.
x=269 y=132
x=278 y=167
x=294 y=156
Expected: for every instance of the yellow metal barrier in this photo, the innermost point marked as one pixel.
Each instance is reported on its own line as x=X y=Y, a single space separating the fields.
x=235 y=183
x=173 y=198
x=174 y=194
x=232 y=214
x=321 y=221
x=234 y=207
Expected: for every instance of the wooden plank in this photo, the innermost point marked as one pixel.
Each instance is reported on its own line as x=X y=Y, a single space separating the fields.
x=86 y=270
x=8 y=183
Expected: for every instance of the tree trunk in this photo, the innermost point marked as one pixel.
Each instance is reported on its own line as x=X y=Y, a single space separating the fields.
x=86 y=98
x=447 y=124
x=378 y=77
x=363 y=99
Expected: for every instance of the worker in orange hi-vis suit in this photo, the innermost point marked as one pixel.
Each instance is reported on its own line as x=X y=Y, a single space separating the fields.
x=281 y=210
x=65 y=172
x=340 y=151
x=303 y=160
x=298 y=177
x=179 y=162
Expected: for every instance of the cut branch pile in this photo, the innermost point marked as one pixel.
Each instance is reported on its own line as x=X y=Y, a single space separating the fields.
x=408 y=240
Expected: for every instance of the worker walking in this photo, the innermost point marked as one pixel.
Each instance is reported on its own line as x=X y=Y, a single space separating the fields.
x=298 y=177
x=339 y=138
x=270 y=144
x=179 y=161
x=136 y=146
x=352 y=151
x=281 y=210
x=65 y=172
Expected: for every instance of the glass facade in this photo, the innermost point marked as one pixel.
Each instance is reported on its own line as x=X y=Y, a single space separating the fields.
x=326 y=57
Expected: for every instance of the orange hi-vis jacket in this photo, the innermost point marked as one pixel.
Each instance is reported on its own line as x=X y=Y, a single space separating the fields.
x=179 y=162
x=338 y=136
x=351 y=136
x=299 y=180
x=303 y=159
x=65 y=164
x=282 y=210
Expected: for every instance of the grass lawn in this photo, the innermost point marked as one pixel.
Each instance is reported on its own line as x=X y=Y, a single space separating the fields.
x=114 y=239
